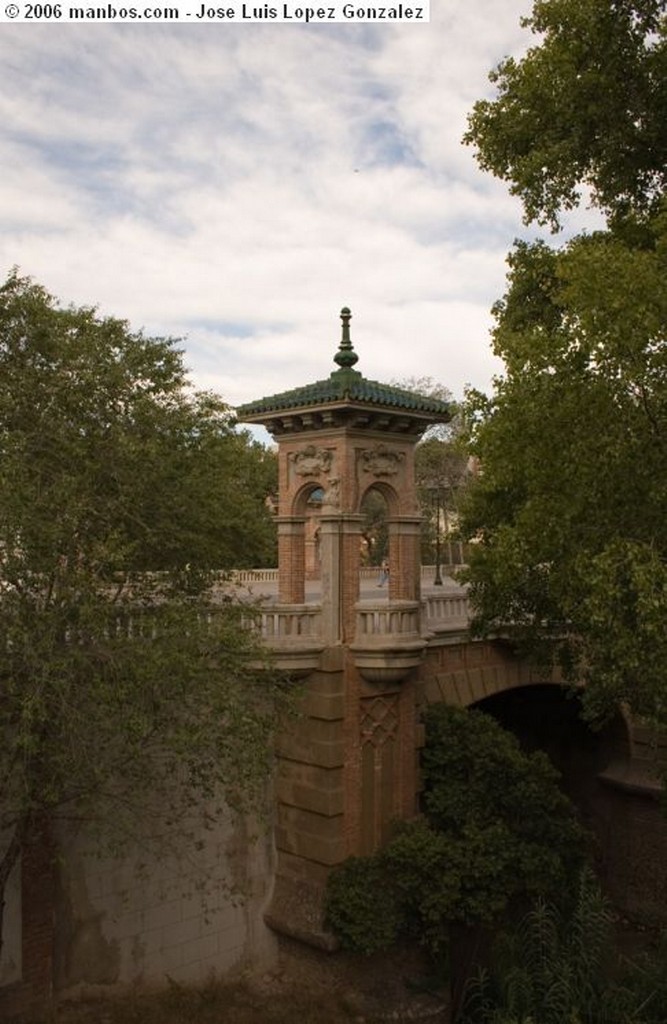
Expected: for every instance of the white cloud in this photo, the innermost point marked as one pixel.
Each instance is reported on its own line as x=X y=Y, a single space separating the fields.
x=238 y=184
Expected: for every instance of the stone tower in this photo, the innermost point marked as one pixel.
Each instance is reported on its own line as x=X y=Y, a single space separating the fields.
x=349 y=767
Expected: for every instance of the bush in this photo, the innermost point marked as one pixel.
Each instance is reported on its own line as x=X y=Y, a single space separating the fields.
x=561 y=970
x=496 y=826
x=361 y=906
x=476 y=776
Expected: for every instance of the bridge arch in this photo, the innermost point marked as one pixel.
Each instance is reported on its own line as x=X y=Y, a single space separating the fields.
x=605 y=771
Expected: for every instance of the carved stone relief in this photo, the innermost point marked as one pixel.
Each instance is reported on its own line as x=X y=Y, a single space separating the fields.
x=379 y=720
x=312 y=461
x=381 y=460
x=332 y=493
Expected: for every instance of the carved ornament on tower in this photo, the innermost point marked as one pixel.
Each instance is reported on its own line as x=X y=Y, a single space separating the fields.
x=381 y=460
x=312 y=461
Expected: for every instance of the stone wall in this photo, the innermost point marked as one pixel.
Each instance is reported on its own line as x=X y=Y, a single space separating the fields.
x=96 y=924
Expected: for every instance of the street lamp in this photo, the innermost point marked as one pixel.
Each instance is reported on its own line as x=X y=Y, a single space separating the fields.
x=437 y=581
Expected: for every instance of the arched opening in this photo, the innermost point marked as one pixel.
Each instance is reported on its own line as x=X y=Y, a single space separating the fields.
x=374 y=528
x=548 y=718
x=312 y=538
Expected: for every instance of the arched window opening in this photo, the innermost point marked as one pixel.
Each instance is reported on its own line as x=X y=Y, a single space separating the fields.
x=312 y=535
x=375 y=529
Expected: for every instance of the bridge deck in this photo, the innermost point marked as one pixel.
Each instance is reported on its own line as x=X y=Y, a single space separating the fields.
x=267 y=589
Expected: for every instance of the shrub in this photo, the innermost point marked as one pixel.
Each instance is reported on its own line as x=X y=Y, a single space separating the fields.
x=560 y=970
x=361 y=906
x=496 y=826
x=476 y=776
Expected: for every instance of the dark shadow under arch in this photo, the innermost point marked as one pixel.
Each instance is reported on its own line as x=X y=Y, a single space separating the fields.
x=548 y=718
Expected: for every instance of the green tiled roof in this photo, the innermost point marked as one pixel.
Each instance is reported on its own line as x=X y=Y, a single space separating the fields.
x=346 y=385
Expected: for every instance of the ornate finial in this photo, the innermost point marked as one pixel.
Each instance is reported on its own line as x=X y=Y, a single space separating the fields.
x=346 y=357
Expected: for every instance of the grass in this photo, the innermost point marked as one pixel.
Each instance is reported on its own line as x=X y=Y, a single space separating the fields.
x=214 y=1003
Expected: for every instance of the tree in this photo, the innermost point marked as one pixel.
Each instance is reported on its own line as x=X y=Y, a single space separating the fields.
x=131 y=686
x=442 y=474
x=433 y=389
x=375 y=530
x=495 y=826
x=570 y=506
x=441 y=466
x=584 y=110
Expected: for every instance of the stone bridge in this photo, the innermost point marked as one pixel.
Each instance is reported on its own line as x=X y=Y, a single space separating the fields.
x=370 y=659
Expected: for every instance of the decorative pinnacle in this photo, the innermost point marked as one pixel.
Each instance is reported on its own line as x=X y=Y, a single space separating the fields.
x=346 y=357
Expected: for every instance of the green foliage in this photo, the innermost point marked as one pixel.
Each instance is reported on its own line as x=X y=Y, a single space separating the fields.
x=442 y=476
x=362 y=907
x=495 y=827
x=586 y=108
x=505 y=804
x=131 y=689
x=571 y=504
x=375 y=530
x=556 y=968
x=644 y=984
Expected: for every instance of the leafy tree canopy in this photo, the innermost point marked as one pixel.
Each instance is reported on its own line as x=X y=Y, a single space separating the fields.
x=122 y=495
x=570 y=507
x=586 y=108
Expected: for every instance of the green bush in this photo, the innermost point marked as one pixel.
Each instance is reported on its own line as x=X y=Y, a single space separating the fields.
x=496 y=826
x=361 y=906
x=645 y=984
x=476 y=776
x=555 y=969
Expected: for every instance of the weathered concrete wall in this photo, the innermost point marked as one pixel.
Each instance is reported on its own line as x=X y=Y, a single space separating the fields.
x=10 y=955
x=31 y=929
x=80 y=923
x=633 y=842
x=183 y=915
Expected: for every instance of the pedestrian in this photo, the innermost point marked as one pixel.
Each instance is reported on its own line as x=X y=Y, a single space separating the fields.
x=384 y=572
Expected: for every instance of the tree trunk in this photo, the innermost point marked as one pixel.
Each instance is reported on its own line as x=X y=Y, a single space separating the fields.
x=10 y=857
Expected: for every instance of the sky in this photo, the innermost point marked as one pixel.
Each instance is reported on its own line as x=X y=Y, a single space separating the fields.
x=235 y=185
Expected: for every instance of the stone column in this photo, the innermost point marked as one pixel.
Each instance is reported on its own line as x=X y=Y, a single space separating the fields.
x=404 y=558
x=340 y=539
x=330 y=575
x=291 y=559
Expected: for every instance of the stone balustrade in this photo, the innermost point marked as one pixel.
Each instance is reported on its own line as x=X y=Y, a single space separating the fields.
x=381 y=621
x=294 y=634
x=447 y=612
x=254 y=576
x=367 y=572
x=377 y=623
x=291 y=624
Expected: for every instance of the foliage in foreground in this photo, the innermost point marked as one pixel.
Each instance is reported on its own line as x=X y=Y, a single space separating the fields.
x=131 y=691
x=495 y=827
x=571 y=506
x=556 y=969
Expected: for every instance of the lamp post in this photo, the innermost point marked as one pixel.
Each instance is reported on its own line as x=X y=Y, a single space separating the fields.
x=437 y=581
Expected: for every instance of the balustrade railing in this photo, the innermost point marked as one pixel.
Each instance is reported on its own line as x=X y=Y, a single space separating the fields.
x=366 y=572
x=379 y=622
x=254 y=576
x=293 y=624
x=444 y=612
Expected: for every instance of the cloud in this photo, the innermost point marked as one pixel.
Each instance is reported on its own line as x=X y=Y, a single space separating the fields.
x=237 y=184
